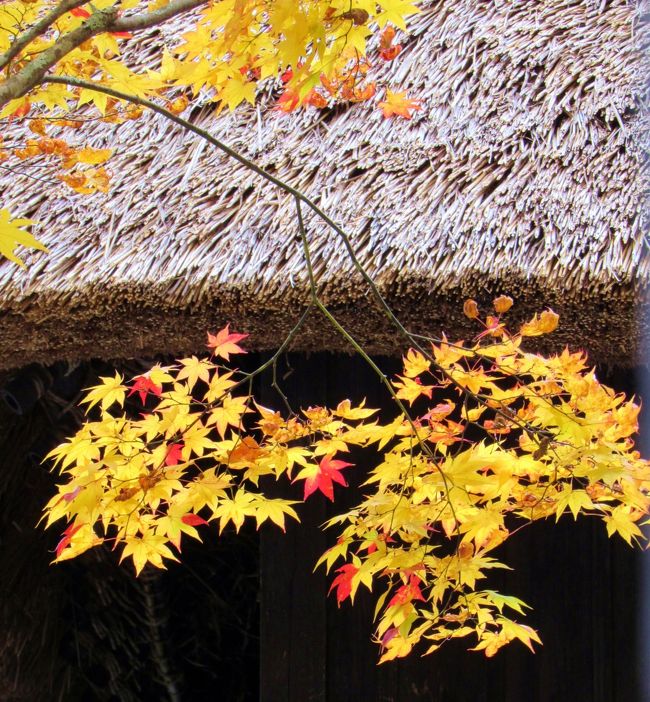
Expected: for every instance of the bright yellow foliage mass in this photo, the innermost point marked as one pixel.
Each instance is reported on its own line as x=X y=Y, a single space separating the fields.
x=496 y=437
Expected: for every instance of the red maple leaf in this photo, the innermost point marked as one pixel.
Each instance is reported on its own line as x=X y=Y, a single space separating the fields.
x=288 y=101
x=407 y=593
x=144 y=385
x=67 y=537
x=343 y=582
x=173 y=455
x=328 y=473
x=224 y=343
x=193 y=520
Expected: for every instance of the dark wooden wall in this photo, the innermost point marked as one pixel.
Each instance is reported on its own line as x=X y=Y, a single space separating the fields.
x=583 y=587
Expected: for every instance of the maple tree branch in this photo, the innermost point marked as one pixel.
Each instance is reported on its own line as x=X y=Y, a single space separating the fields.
x=251 y=165
x=100 y=22
x=37 y=29
x=299 y=197
x=281 y=349
x=134 y=23
x=32 y=74
x=364 y=355
x=318 y=303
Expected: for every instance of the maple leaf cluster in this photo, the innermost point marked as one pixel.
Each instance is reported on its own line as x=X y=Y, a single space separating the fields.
x=144 y=480
x=316 y=51
x=315 y=54
x=494 y=437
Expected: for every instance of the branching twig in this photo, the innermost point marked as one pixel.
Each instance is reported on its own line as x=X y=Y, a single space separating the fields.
x=364 y=355
x=307 y=201
x=38 y=29
x=100 y=22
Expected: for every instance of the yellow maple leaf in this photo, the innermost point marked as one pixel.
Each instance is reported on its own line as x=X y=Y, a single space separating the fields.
x=92 y=156
x=395 y=11
x=275 y=510
x=415 y=363
x=229 y=413
x=110 y=390
x=622 y=521
x=409 y=389
x=480 y=523
x=206 y=490
x=148 y=548
x=545 y=323
x=235 y=510
x=219 y=385
x=13 y=233
x=345 y=410
x=194 y=370
x=575 y=500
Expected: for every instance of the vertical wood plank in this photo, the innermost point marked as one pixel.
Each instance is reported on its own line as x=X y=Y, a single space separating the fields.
x=293 y=635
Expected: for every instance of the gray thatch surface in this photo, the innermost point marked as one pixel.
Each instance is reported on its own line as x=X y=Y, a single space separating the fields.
x=521 y=175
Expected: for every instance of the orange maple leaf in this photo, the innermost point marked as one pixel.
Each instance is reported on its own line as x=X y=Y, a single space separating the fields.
x=224 y=343
x=387 y=50
x=398 y=105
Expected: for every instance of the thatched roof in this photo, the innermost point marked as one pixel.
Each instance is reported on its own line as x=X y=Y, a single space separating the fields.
x=521 y=175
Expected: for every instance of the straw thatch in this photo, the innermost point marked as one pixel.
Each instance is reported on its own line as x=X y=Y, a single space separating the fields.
x=521 y=175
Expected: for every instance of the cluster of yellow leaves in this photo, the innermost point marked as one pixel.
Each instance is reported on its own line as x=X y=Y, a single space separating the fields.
x=315 y=45
x=494 y=437
x=316 y=52
x=143 y=482
x=230 y=46
x=98 y=58
x=518 y=437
